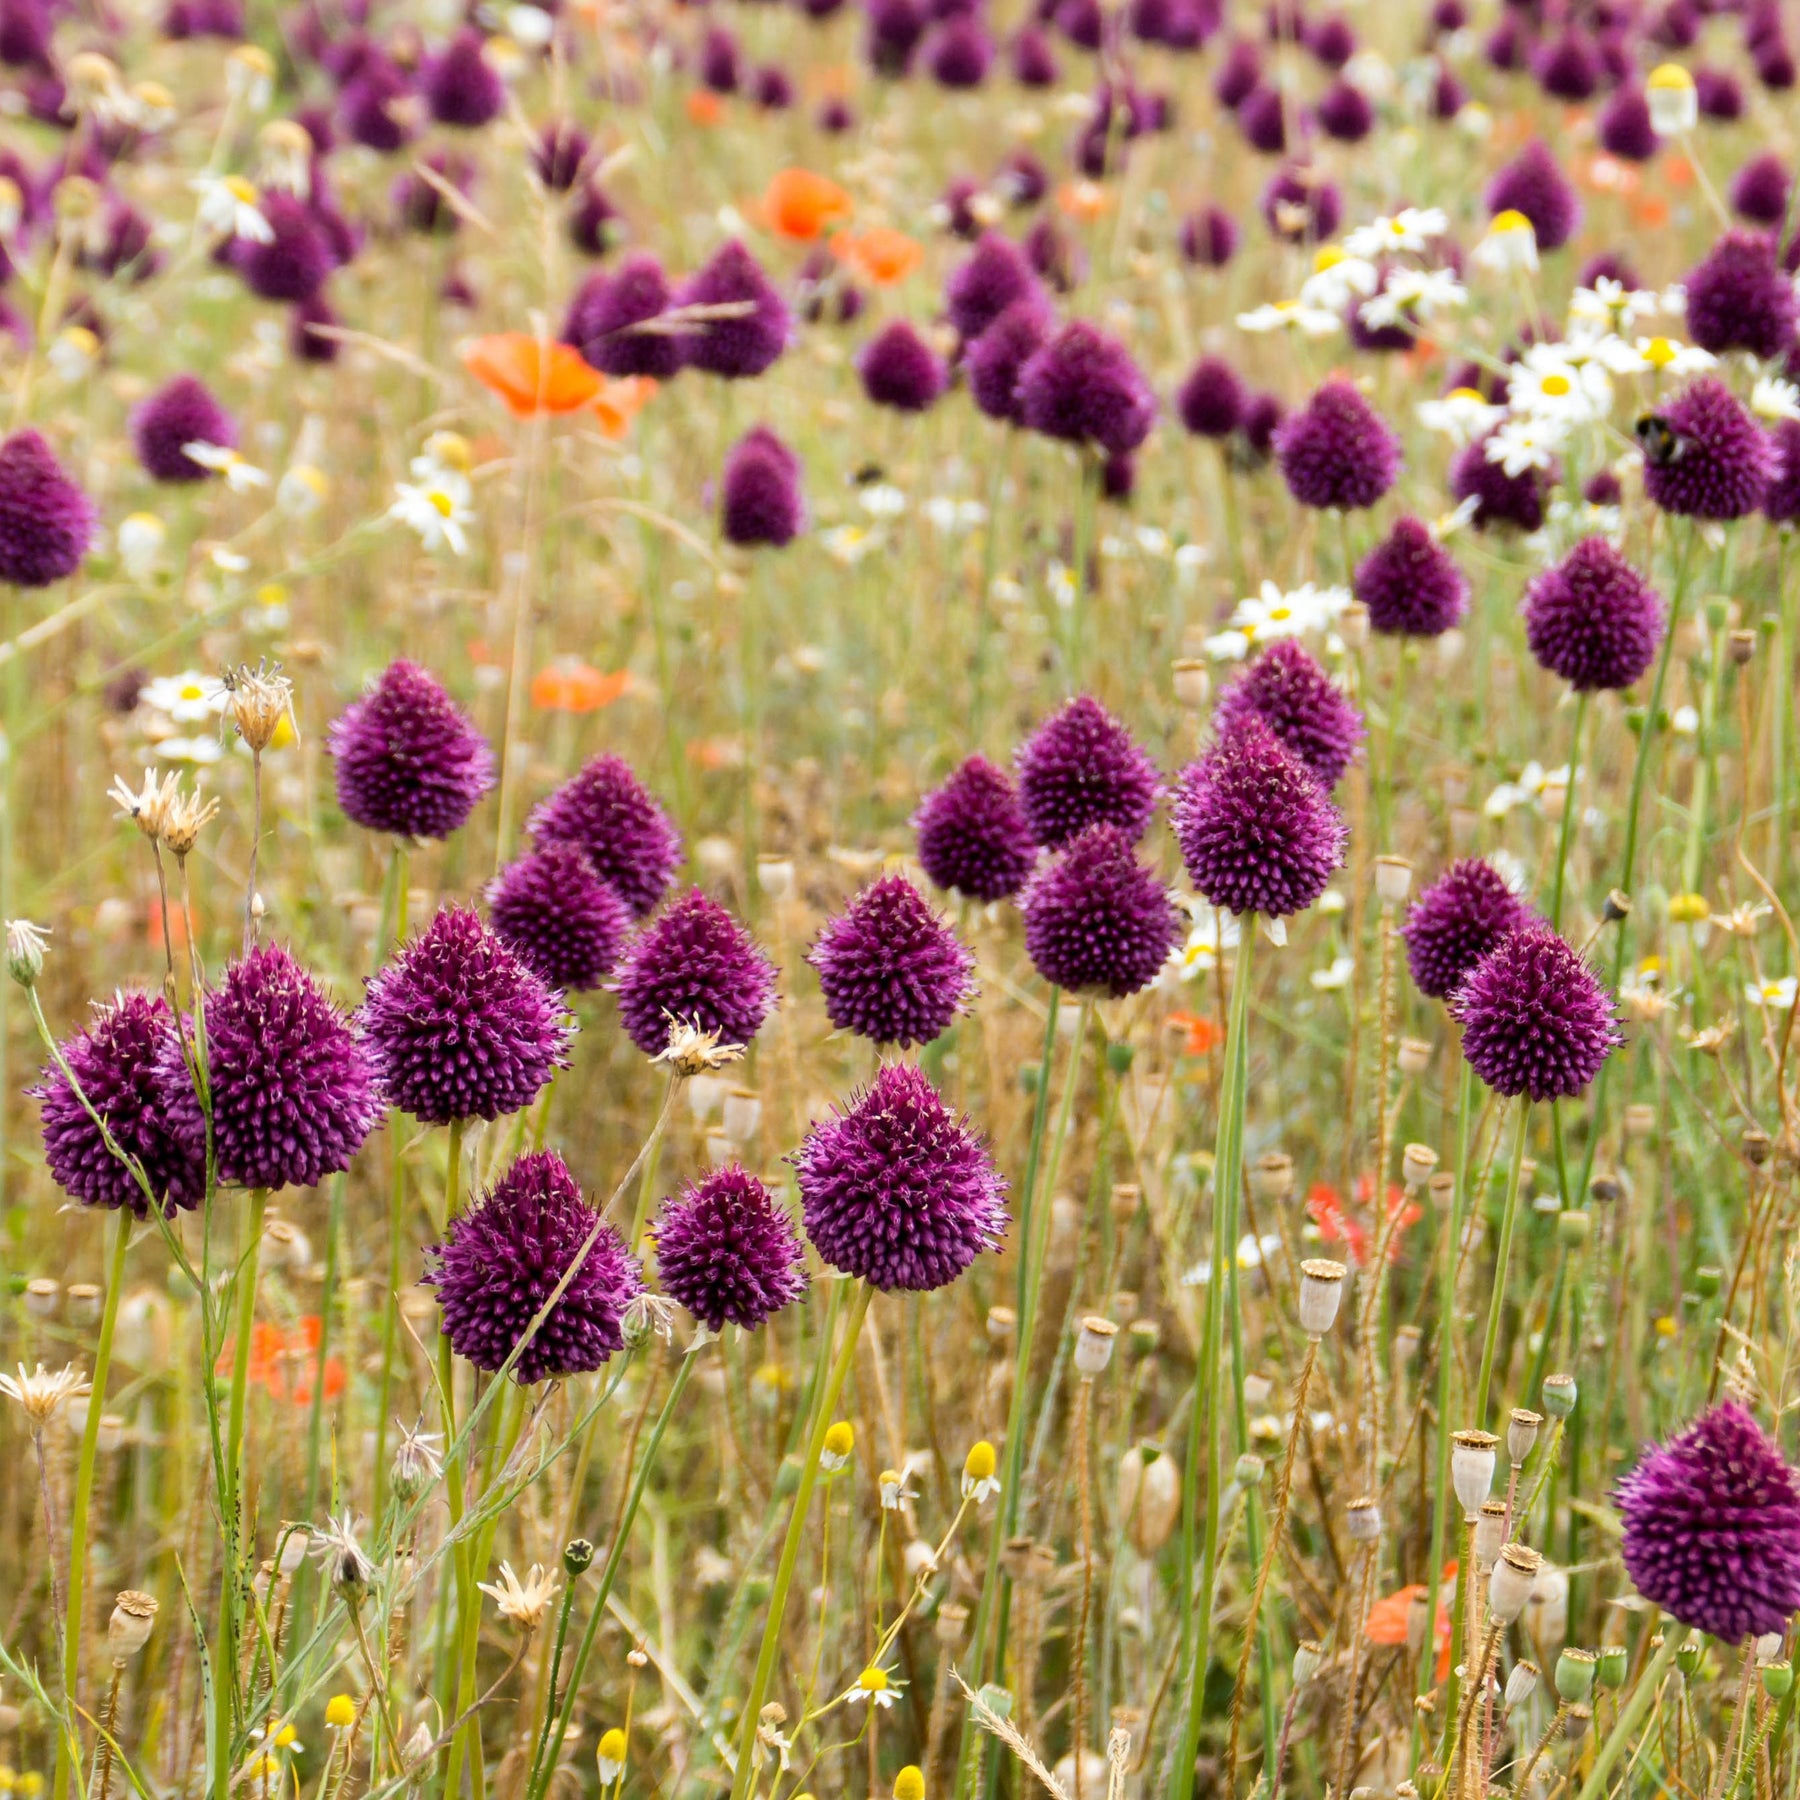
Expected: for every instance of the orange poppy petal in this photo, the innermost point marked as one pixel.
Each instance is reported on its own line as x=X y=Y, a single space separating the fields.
x=802 y=205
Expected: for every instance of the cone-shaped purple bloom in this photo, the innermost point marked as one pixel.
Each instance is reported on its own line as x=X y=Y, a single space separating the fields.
x=1712 y=1527
x=594 y=225
x=1084 y=388
x=727 y=1252
x=1781 y=500
x=459 y=1027
x=1344 y=113
x=1739 y=297
x=1500 y=499
x=960 y=54
x=759 y=493
x=1096 y=920
x=1300 y=703
x=1300 y=205
x=607 y=307
x=293 y=264
x=1567 y=67
x=1593 y=619
x=560 y=919
x=1211 y=401
x=559 y=155
x=1081 y=767
x=179 y=414
x=606 y=812
x=748 y=343
x=899 y=1191
x=409 y=759
x=501 y=1261
x=1625 y=128
x=1411 y=584
x=993 y=361
x=1337 y=452
x=1719 y=93
x=890 y=968
x=1535 y=1019
x=899 y=369
x=462 y=87
x=46 y=521
x=1455 y=922
x=994 y=276
x=1209 y=237
x=293 y=1091
x=721 y=62
x=1533 y=184
x=117 y=1062
x=1759 y=190
x=973 y=836
x=1721 y=461
x=694 y=965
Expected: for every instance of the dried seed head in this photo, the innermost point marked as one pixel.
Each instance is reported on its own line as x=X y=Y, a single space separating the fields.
x=1575 y=1726
x=1490 y=1532
x=1616 y=907
x=183 y=819
x=1393 y=879
x=258 y=702
x=951 y=1622
x=43 y=1395
x=128 y=1630
x=1363 y=1519
x=1442 y=1189
x=1094 y=1345
x=148 y=808
x=1414 y=1056
x=43 y=1295
x=1510 y=1585
x=1521 y=1433
x=1472 y=1468
x=85 y=1300
x=1321 y=1293
x=1559 y=1394
x=1193 y=683
x=1272 y=1176
x=1418 y=1162
x=1521 y=1684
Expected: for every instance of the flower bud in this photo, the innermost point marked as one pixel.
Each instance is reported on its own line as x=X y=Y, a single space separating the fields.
x=128 y=1630
x=1472 y=1468
x=25 y=946
x=1559 y=1394
x=1574 y=1675
x=1509 y=1587
x=1522 y=1428
x=1572 y=1229
x=1094 y=1345
x=1321 y=1293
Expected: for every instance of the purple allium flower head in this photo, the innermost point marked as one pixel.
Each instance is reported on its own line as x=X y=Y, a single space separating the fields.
x=1263 y=416
x=1240 y=69
x=1212 y=399
x=1301 y=205
x=1448 y=95
x=409 y=760
x=898 y=1190
x=1022 y=181
x=759 y=492
x=1097 y=921
x=1739 y=298
x=890 y=968
x=772 y=88
x=1719 y=93
x=1609 y=265
x=1500 y=499
x=593 y=220
x=607 y=813
x=960 y=54
x=1262 y=118
x=1084 y=388
x=1535 y=1019
x=293 y=264
x=1455 y=922
x=1300 y=703
x=1567 y=67
x=1118 y=477
x=1033 y=60
x=744 y=346
x=1759 y=190
x=46 y=521
x=560 y=919
x=1344 y=112
x=1781 y=500
x=117 y=1062
x=1676 y=26
x=727 y=1252
x=459 y=1027
x=899 y=369
x=1533 y=184
x=894 y=28
x=1775 y=65
x=1625 y=128
x=559 y=155
x=293 y=1090
x=694 y=965
x=1712 y=1527
x=462 y=87
x=501 y=1261
x=1081 y=767
x=1209 y=237
x=994 y=276
x=1722 y=458
x=973 y=835
x=1257 y=831
x=180 y=413
x=1593 y=619
x=721 y=61
x=993 y=361
x=306 y=341
x=1054 y=253
x=1331 y=40
x=370 y=113
x=1602 y=488
x=607 y=307
x=1411 y=584
x=1081 y=22
x=1337 y=452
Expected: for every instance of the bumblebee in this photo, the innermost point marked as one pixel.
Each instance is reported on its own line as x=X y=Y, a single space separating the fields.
x=869 y=474
x=1660 y=442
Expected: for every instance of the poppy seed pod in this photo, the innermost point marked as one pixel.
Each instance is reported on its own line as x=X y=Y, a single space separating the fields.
x=1149 y=1497
x=1417 y=1163
x=1363 y=1520
x=1521 y=1684
x=1490 y=1532
x=1521 y=1433
x=1472 y=1468
x=1414 y=1056
x=1393 y=879
x=1559 y=1394
x=1094 y=1345
x=1272 y=1176
x=1574 y=1675
x=128 y=1630
x=1510 y=1585
x=1321 y=1293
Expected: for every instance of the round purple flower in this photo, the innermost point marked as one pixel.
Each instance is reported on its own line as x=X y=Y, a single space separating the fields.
x=608 y=814
x=459 y=1027
x=1759 y=190
x=293 y=1092
x=1411 y=584
x=1720 y=461
x=1096 y=920
x=1255 y=442
x=1337 y=452
x=1300 y=703
x=1209 y=237
x=1500 y=499
x=1712 y=1527
x=899 y=1191
x=694 y=965
x=1535 y=1019
x=1301 y=205
x=721 y=62
x=1211 y=401
x=294 y=262
x=1625 y=128
x=559 y=155
x=1781 y=500
x=1567 y=67
x=594 y=224
x=891 y=970
x=899 y=369
x=1455 y=922
x=1719 y=94
x=894 y=30
x=46 y=521
x=745 y=345
x=1331 y=40
x=973 y=836
x=993 y=277
x=607 y=308
x=409 y=759
x=1056 y=256
x=772 y=88
x=960 y=54
x=1257 y=831
x=501 y=1261
x=993 y=361
x=1033 y=60
x=1593 y=619
x=116 y=1062
x=1533 y=184
x=462 y=87
x=1081 y=768
x=1084 y=388
x=1240 y=69
x=1262 y=118
x=559 y=918
x=1344 y=113
x=727 y=1252
x=759 y=493
x=371 y=111
x=1739 y=297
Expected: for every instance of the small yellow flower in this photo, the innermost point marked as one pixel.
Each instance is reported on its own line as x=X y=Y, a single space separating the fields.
x=31 y=1784
x=979 y=1480
x=611 y=1755
x=875 y=1685
x=1687 y=909
x=340 y=1712
x=1659 y=353
x=1665 y=1326
x=909 y=1784
x=840 y=1440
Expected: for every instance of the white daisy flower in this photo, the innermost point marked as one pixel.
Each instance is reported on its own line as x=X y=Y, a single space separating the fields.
x=1412 y=228
x=229 y=207
x=1461 y=415
x=437 y=510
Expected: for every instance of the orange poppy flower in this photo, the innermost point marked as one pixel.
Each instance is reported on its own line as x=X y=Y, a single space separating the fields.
x=1677 y=170
x=1652 y=212
x=704 y=107
x=1083 y=200
x=284 y=1361
x=576 y=687
x=1203 y=1034
x=153 y=926
x=881 y=254
x=620 y=400
x=1390 y=1617
x=801 y=205
x=532 y=376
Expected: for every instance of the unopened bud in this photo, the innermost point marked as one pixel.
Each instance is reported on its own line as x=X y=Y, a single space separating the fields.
x=25 y=947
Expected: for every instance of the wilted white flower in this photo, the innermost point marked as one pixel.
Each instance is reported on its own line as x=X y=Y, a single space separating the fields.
x=522 y=1603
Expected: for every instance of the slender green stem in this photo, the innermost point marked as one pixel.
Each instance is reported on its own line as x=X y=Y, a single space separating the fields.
x=1087 y=494
x=1570 y=808
x=1627 y=1727
x=1502 y=1256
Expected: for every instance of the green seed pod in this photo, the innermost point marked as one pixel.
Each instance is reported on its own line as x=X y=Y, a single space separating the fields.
x=1574 y=1675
